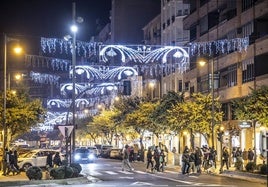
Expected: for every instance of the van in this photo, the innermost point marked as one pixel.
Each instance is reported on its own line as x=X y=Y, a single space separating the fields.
x=105 y=151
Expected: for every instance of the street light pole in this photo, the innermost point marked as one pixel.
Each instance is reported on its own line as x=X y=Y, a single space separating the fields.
x=73 y=78
x=212 y=102
x=5 y=93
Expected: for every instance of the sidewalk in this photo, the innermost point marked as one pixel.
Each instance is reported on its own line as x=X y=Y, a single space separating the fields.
x=232 y=173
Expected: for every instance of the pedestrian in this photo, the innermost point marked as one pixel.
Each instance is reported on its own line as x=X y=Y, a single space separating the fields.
x=162 y=160
x=191 y=161
x=212 y=157
x=57 y=160
x=49 y=161
x=225 y=158
x=198 y=159
x=156 y=158
x=250 y=155
x=150 y=160
x=11 y=167
x=125 y=161
x=16 y=160
x=239 y=161
x=5 y=161
x=245 y=156
x=185 y=160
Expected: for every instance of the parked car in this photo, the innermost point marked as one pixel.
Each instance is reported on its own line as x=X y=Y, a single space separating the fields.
x=36 y=157
x=82 y=155
x=116 y=153
x=105 y=151
x=94 y=150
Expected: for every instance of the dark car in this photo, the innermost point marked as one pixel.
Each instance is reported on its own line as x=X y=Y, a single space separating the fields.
x=82 y=155
x=105 y=151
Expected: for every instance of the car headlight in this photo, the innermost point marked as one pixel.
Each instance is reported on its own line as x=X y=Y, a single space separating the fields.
x=77 y=157
x=91 y=156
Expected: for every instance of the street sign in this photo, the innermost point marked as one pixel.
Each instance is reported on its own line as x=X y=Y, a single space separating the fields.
x=62 y=129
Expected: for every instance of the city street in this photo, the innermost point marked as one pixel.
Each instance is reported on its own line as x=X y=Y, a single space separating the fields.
x=110 y=174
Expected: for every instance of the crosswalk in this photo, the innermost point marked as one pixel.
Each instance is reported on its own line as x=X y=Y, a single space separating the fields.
x=120 y=172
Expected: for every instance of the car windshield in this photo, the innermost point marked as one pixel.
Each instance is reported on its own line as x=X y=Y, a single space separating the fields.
x=92 y=148
x=82 y=151
x=28 y=154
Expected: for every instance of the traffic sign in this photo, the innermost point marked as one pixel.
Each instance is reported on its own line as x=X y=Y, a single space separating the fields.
x=62 y=129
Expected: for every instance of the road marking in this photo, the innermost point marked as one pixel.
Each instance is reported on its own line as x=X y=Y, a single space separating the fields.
x=141 y=184
x=125 y=172
x=94 y=173
x=126 y=177
x=141 y=172
x=111 y=172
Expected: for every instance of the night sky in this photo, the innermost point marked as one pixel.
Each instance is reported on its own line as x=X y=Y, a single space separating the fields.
x=51 y=18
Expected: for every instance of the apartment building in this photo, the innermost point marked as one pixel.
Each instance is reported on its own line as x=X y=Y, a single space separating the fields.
x=234 y=72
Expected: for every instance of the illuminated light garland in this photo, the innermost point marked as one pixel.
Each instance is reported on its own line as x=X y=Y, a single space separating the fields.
x=143 y=54
x=47 y=62
x=90 y=71
x=58 y=103
x=69 y=86
x=44 y=78
x=221 y=46
x=52 y=45
x=118 y=71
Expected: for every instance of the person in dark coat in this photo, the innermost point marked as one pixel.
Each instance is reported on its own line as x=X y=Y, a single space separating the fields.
x=250 y=155
x=49 y=162
x=11 y=167
x=156 y=158
x=16 y=160
x=225 y=158
x=198 y=159
x=149 y=159
x=5 y=161
x=185 y=160
x=56 y=160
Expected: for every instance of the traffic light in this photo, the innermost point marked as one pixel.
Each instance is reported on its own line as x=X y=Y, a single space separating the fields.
x=219 y=135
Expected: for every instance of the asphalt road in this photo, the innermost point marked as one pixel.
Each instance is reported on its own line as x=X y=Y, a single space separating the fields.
x=110 y=174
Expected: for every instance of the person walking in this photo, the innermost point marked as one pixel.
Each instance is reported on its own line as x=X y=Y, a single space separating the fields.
x=185 y=161
x=162 y=160
x=225 y=158
x=57 y=160
x=5 y=161
x=239 y=161
x=156 y=158
x=250 y=155
x=125 y=161
x=191 y=161
x=245 y=157
x=198 y=159
x=150 y=160
x=135 y=152
x=49 y=161
x=11 y=167
x=16 y=160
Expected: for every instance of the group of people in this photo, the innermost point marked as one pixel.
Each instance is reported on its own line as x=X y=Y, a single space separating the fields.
x=158 y=156
x=53 y=161
x=194 y=159
x=10 y=162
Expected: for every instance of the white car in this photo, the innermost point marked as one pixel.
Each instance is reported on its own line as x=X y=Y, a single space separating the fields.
x=94 y=150
x=36 y=157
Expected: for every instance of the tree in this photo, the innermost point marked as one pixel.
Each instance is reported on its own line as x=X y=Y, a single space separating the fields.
x=105 y=123
x=140 y=120
x=253 y=107
x=159 y=115
x=22 y=113
x=195 y=115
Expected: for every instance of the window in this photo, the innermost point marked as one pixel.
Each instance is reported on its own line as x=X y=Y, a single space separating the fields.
x=232 y=76
x=246 y=4
x=180 y=86
x=248 y=73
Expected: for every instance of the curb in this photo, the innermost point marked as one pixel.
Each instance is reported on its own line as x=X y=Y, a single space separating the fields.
x=69 y=181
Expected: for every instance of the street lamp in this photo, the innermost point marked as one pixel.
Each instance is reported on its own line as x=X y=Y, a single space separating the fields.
x=202 y=62
x=74 y=30
x=16 y=50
